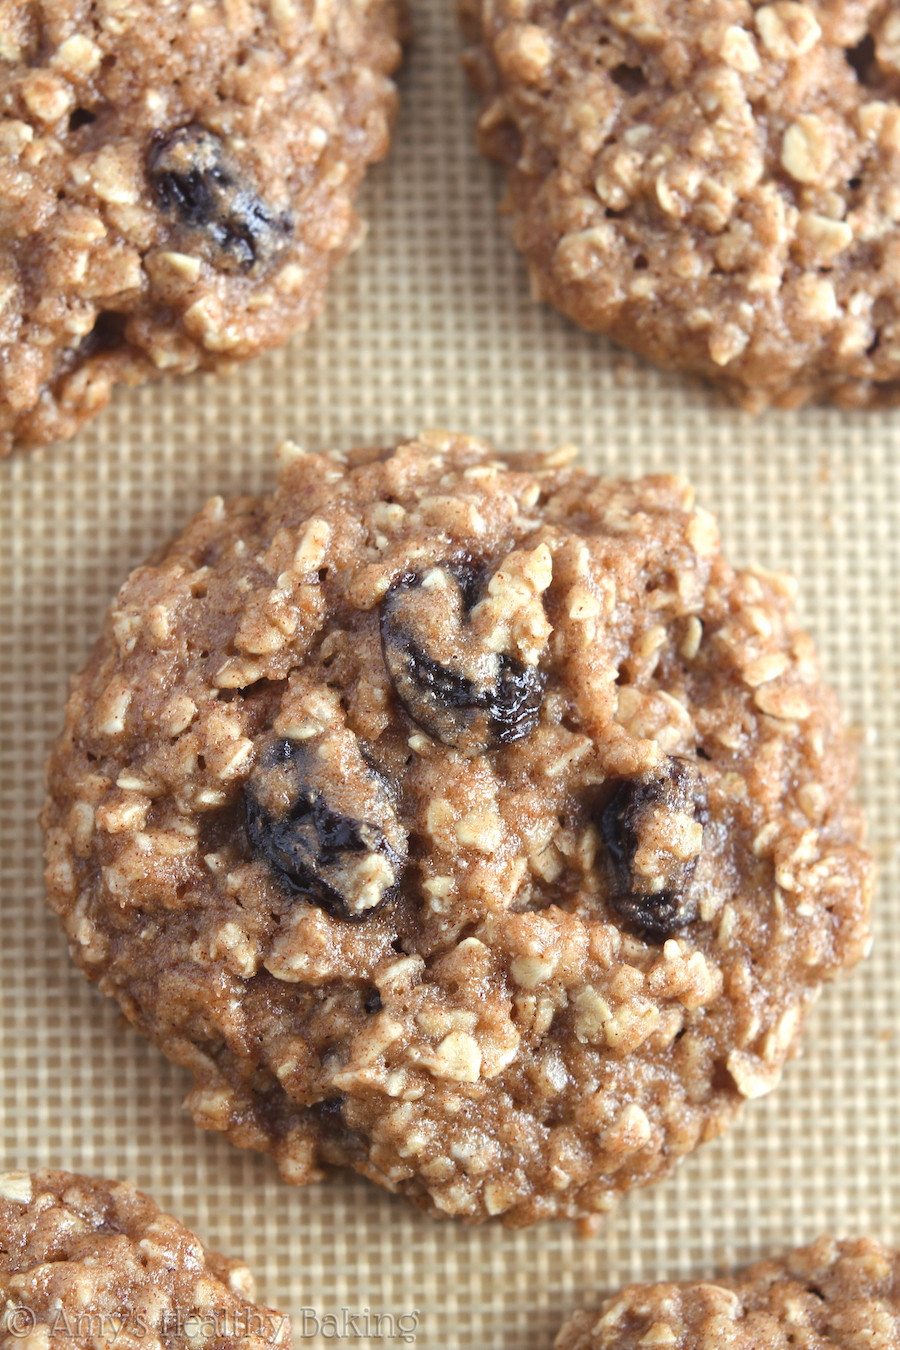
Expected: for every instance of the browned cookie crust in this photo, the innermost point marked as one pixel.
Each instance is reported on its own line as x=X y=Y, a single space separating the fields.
x=472 y=825
x=87 y=1264
x=176 y=183
x=828 y=1296
x=711 y=182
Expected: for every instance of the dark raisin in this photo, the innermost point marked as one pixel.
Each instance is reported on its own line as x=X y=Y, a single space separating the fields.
x=198 y=185
x=298 y=806
x=329 y=1113
x=862 y=59
x=81 y=117
x=448 y=683
x=372 y=1002
x=630 y=79
x=653 y=897
x=517 y=699
x=107 y=335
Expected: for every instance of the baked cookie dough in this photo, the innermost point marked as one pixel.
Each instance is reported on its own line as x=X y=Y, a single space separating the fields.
x=466 y=822
x=176 y=183
x=840 y=1295
x=712 y=183
x=88 y=1264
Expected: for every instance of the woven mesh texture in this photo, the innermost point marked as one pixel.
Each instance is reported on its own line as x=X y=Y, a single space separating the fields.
x=431 y=324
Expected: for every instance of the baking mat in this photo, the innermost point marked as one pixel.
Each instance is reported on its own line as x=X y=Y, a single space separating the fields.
x=431 y=324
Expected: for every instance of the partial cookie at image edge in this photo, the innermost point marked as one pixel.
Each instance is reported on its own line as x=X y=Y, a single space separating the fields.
x=711 y=186
x=177 y=184
x=839 y=1294
x=86 y=1262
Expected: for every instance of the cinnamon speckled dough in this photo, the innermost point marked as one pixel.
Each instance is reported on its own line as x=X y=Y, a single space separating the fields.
x=88 y=1264
x=468 y=823
x=711 y=182
x=176 y=183
x=828 y=1296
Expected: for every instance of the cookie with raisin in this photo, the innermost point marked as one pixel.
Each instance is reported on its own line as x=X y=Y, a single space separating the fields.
x=176 y=183
x=462 y=819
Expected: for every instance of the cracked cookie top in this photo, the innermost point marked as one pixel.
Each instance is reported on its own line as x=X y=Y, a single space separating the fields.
x=828 y=1296
x=464 y=820
x=87 y=1263
x=711 y=182
x=176 y=182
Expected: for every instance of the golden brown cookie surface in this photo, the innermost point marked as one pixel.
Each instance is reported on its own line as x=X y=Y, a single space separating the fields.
x=176 y=183
x=467 y=822
x=87 y=1263
x=828 y=1296
x=711 y=184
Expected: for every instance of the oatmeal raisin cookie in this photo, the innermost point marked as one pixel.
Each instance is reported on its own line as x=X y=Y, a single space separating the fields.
x=469 y=822
x=176 y=183
x=91 y=1265
x=828 y=1296
x=713 y=183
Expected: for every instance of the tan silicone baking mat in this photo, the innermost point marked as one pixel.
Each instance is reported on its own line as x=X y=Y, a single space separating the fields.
x=431 y=324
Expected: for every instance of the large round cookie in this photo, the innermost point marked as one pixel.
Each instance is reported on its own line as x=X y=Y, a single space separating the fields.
x=828 y=1296
x=88 y=1264
x=711 y=182
x=472 y=825
x=176 y=183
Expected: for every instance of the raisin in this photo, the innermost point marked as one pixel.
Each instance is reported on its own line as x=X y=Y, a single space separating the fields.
x=460 y=693
x=329 y=1113
x=197 y=184
x=105 y=338
x=628 y=823
x=298 y=807
x=107 y=335
x=372 y=1002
